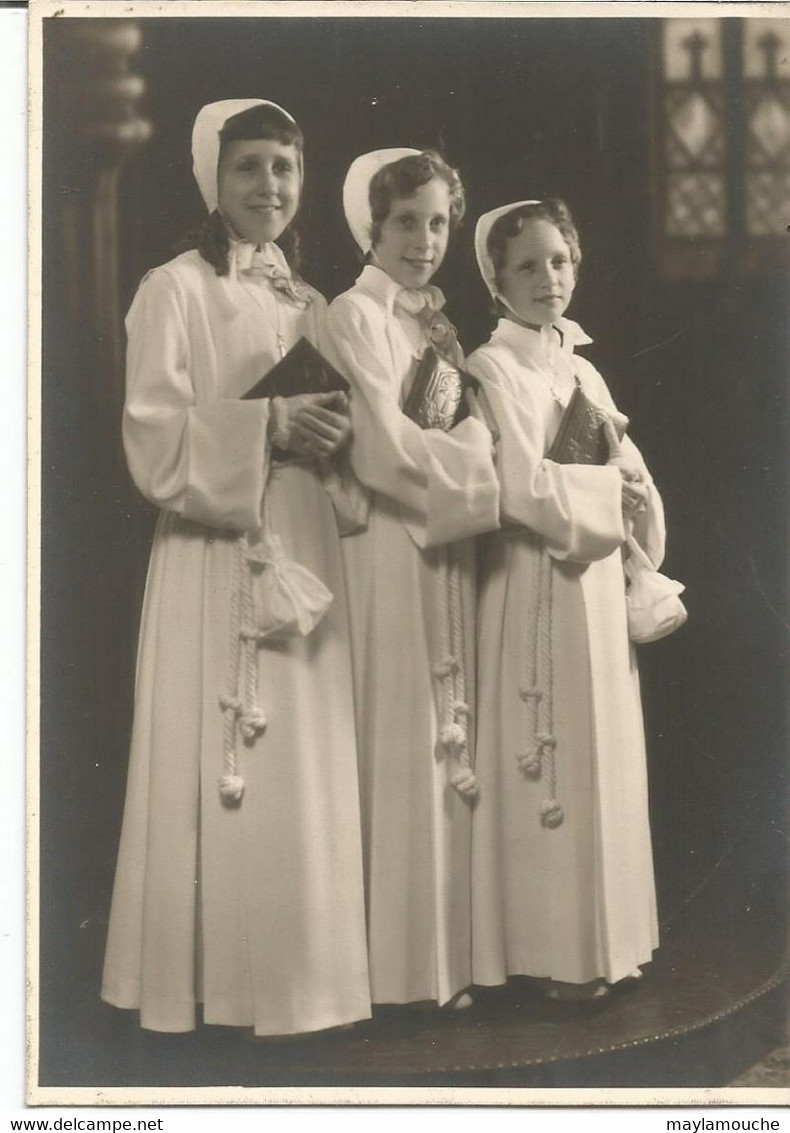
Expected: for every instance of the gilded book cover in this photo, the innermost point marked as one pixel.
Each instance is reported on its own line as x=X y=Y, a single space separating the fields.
x=581 y=438
x=303 y=370
x=436 y=399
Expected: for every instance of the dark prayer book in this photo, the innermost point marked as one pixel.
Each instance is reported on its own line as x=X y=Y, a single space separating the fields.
x=303 y=370
x=581 y=438
x=436 y=399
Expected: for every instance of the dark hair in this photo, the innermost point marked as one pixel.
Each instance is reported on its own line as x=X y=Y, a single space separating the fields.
x=211 y=238
x=402 y=178
x=509 y=225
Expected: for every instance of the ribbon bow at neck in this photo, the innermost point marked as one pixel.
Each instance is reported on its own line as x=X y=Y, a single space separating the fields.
x=415 y=300
x=426 y=304
x=270 y=263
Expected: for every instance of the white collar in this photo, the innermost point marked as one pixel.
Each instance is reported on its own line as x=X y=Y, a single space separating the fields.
x=541 y=343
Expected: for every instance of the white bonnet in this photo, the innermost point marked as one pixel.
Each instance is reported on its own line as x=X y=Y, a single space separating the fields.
x=482 y=232
x=205 y=140
x=356 y=200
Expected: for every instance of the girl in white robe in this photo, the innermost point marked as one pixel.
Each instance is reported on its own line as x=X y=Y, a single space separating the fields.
x=239 y=878
x=562 y=883
x=410 y=584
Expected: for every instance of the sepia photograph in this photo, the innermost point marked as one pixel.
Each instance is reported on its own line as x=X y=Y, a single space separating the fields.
x=408 y=665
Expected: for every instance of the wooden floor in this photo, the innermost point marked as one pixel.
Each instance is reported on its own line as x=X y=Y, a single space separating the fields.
x=711 y=1005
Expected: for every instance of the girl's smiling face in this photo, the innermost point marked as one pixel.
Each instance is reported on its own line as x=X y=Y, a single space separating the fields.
x=538 y=276
x=259 y=183
x=413 y=238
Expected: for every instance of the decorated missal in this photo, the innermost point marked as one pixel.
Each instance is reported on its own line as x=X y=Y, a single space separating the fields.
x=436 y=399
x=582 y=435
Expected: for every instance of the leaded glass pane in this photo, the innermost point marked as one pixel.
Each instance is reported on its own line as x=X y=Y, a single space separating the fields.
x=695 y=204
x=769 y=129
x=766 y=48
x=768 y=203
x=694 y=134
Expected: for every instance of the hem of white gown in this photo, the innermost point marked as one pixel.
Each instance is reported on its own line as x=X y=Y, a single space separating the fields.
x=432 y=999
x=179 y=1017
x=321 y=1021
x=168 y=1017
x=611 y=975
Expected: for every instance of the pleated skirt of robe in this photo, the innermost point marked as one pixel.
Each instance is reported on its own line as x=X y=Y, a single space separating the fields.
x=256 y=910
x=416 y=827
x=574 y=902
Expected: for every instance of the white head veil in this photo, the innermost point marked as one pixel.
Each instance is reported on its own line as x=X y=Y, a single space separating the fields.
x=482 y=232
x=205 y=140
x=356 y=200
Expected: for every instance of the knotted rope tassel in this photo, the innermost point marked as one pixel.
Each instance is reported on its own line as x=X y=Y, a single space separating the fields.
x=231 y=785
x=244 y=715
x=252 y=720
x=530 y=691
x=540 y=759
x=453 y=732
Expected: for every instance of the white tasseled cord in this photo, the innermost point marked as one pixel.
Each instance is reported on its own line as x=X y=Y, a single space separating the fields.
x=537 y=690
x=550 y=809
x=246 y=713
x=231 y=785
x=453 y=732
x=530 y=690
x=252 y=720
x=464 y=780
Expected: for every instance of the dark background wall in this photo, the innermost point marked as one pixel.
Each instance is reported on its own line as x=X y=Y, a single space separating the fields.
x=523 y=108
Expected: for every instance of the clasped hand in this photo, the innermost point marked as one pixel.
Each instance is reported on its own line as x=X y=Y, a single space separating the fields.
x=318 y=423
x=634 y=491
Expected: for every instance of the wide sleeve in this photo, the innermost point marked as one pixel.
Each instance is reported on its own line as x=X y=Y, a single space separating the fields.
x=576 y=508
x=444 y=484
x=207 y=462
x=350 y=499
x=647 y=526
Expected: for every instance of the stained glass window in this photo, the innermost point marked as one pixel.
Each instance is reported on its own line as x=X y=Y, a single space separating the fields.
x=695 y=199
x=723 y=142
x=766 y=68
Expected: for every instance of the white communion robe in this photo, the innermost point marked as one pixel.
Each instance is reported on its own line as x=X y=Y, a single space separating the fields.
x=574 y=902
x=255 y=910
x=427 y=488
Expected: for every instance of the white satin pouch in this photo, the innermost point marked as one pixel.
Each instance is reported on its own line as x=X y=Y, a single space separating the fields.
x=287 y=599
x=652 y=600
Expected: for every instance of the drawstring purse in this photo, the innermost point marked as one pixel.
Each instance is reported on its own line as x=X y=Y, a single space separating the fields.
x=287 y=599
x=652 y=600
x=273 y=598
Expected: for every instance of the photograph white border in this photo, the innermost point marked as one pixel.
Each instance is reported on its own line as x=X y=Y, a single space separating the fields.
x=296 y=1096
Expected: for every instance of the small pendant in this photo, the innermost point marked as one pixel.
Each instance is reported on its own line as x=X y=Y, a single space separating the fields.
x=281 y=344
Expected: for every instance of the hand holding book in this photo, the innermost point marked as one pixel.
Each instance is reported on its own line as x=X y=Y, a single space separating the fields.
x=309 y=403
x=314 y=425
x=589 y=435
x=320 y=426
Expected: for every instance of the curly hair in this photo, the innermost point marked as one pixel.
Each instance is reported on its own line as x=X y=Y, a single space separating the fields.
x=506 y=227
x=211 y=238
x=402 y=178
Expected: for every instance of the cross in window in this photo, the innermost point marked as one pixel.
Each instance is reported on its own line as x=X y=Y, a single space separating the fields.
x=695 y=45
x=769 y=44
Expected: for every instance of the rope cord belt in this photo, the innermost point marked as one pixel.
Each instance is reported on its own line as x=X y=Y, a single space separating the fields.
x=454 y=724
